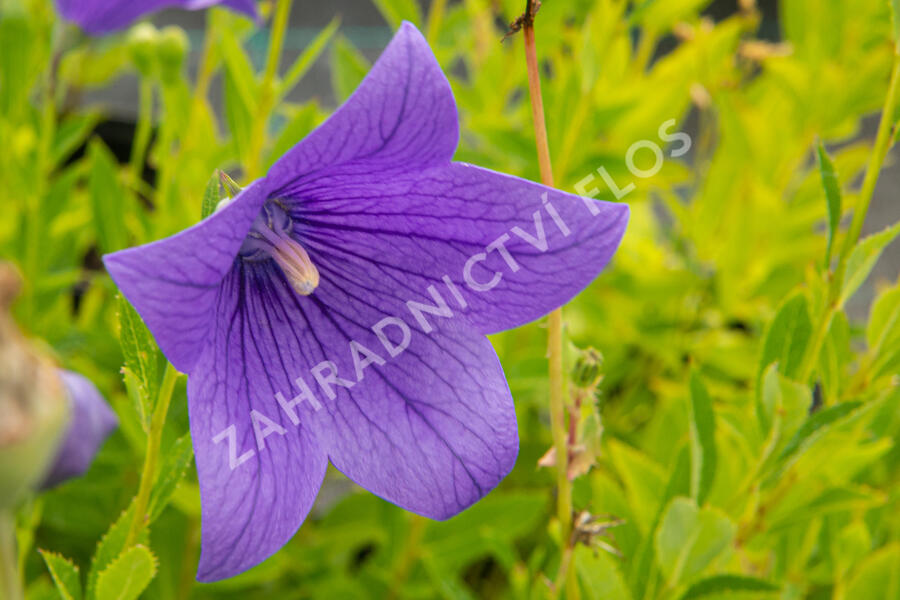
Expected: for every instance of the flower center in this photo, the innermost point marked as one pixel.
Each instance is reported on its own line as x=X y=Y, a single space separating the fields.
x=270 y=237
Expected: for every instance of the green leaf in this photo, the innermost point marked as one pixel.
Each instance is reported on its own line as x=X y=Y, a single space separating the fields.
x=240 y=69
x=835 y=357
x=111 y=545
x=816 y=425
x=832 y=196
x=787 y=337
x=238 y=115
x=306 y=59
x=397 y=11
x=641 y=569
x=17 y=66
x=107 y=199
x=863 y=258
x=856 y=499
x=878 y=576
x=348 y=68
x=703 y=440
x=728 y=584
x=883 y=332
x=212 y=195
x=93 y=66
x=71 y=133
x=65 y=575
x=644 y=480
x=466 y=537
x=690 y=538
x=783 y=405
x=128 y=575
x=660 y=15
x=599 y=575
x=174 y=465
x=141 y=357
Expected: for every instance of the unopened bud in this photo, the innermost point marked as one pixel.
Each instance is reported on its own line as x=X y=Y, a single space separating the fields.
x=231 y=186
x=173 y=47
x=33 y=405
x=142 y=41
x=586 y=372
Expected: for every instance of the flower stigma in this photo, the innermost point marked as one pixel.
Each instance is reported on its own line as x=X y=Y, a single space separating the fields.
x=270 y=237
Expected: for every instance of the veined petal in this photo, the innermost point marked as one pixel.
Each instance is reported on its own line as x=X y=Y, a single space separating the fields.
x=401 y=117
x=431 y=428
x=259 y=471
x=173 y=283
x=90 y=423
x=512 y=250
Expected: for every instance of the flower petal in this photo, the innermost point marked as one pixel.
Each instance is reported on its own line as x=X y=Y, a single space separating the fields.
x=259 y=472
x=529 y=248
x=104 y=16
x=173 y=282
x=432 y=429
x=248 y=7
x=401 y=117
x=90 y=424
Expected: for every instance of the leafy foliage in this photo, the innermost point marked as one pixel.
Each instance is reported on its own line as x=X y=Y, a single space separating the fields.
x=744 y=432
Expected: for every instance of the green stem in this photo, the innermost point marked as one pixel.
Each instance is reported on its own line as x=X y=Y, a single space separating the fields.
x=205 y=71
x=873 y=169
x=267 y=89
x=435 y=18
x=409 y=556
x=10 y=584
x=151 y=460
x=882 y=145
x=144 y=127
x=168 y=160
x=555 y=322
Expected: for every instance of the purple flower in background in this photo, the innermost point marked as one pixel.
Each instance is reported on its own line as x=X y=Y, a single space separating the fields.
x=103 y=16
x=337 y=310
x=90 y=423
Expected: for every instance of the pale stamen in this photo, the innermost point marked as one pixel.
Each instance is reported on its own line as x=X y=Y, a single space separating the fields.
x=271 y=236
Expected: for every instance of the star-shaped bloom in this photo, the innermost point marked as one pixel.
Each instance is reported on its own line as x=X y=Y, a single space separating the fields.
x=337 y=308
x=90 y=423
x=103 y=16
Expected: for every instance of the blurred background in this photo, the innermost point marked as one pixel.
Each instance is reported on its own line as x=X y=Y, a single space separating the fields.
x=366 y=28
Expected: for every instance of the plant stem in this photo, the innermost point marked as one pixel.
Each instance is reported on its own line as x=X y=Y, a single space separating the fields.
x=410 y=554
x=204 y=71
x=555 y=324
x=151 y=460
x=873 y=169
x=10 y=585
x=142 y=132
x=883 y=142
x=435 y=18
x=267 y=91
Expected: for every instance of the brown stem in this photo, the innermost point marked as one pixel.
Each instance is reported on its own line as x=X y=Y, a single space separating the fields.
x=554 y=323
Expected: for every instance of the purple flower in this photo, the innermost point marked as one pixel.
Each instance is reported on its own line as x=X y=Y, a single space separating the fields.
x=90 y=423
x=337 y=310
x=103 y=16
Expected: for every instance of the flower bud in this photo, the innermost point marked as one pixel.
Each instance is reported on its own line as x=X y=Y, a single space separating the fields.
x=172 y=48
x=92 y=421
x=33 y=406
x=142 y=40
x=586 y=372
x=52 y=422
